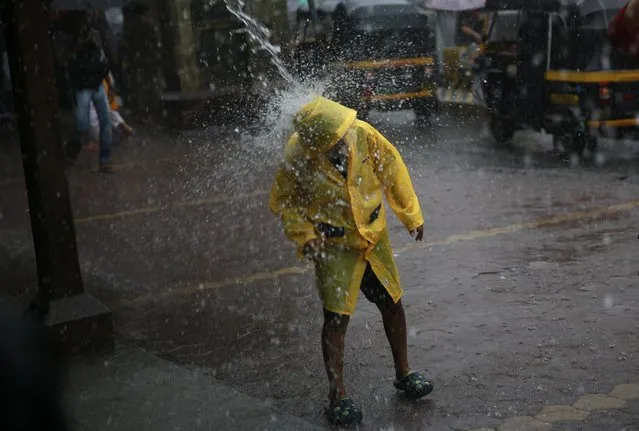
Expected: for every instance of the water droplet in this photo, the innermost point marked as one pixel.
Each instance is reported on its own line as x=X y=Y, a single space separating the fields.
x=608 y=301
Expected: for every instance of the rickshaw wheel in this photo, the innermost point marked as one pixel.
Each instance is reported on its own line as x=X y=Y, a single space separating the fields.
x=501 y=131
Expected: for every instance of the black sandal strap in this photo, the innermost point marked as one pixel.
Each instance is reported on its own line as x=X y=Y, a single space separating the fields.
x=345 y=413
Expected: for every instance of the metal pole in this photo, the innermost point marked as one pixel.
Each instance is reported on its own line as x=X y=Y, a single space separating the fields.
x=26 y=26
x=549 y=48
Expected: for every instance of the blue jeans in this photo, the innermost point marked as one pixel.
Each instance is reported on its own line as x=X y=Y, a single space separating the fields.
x=83 y=100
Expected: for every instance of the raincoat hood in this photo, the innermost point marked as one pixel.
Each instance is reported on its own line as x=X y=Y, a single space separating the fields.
x=321 y=123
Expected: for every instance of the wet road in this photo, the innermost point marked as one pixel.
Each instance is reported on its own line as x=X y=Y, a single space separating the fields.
x=523 y=295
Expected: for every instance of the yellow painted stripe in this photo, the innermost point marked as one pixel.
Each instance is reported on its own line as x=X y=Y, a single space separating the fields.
x=117 y=167
x=626 y=122
x=381 y=64
x=184 y=204
x=399 y=96
x=593 y=77
x=543 y=222
x=453 y=239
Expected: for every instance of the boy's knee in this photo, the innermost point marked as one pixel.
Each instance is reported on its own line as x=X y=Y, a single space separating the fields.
x=335 y=320
x=390 y=306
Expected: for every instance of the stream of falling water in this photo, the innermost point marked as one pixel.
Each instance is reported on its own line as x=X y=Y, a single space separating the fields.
x=261 y=35
x=244 y=157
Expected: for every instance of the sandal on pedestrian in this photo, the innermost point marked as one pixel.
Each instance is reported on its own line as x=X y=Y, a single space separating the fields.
x=126 y=129
x=415 y=385
x=344 y=413
x=106 y=168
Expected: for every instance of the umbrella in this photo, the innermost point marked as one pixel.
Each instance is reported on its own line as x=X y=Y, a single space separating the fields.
x=87 y=4
x=454 y=5
x=586 y=7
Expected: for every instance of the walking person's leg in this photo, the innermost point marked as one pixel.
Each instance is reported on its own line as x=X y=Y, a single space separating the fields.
x=117 y=122
x=101 y=103
x=413 y=383
x=333 y=335
x=94 y=129
x=334 y=272
x=394 y=320
x=82 y=114
x=342 y=410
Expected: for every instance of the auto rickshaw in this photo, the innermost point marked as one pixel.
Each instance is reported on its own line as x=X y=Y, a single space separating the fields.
x=570 y=83
x=386 y=57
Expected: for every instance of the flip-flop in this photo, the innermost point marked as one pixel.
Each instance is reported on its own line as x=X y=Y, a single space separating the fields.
x=344 y=413
x=415 y=385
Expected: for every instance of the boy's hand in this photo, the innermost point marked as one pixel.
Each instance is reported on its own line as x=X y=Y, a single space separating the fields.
x=313 y=248
x=418 y=233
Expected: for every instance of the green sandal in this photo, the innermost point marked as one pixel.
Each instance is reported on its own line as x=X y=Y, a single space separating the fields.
x=414 y=385
x=344 y=413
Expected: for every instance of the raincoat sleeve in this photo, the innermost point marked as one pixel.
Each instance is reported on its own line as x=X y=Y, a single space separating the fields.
x=393 y=174
x=285 y=201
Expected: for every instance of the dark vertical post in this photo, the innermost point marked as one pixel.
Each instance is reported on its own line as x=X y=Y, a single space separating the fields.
x=26 y=25
x=43 y=157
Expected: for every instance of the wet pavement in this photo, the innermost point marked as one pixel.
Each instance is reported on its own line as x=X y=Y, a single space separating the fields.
x=522 y=297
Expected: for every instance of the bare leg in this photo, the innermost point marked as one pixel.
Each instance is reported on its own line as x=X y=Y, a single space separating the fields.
x=395 y=327
x=333 y=334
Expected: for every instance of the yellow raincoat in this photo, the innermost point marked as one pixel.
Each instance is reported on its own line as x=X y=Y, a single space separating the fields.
x=309 y=190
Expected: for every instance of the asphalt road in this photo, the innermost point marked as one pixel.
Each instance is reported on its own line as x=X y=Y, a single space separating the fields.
x=523 y=295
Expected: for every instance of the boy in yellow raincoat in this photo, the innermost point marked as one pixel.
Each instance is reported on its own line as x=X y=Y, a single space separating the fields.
x=329 y=193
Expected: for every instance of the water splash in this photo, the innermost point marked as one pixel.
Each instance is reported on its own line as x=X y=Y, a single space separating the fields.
x=260 y=35
x=231 y=161
x=277 y=118
x=235 y=161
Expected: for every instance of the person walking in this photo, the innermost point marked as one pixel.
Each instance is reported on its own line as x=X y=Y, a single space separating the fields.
x=329 y=194
x=80 y=48
x=117 y=122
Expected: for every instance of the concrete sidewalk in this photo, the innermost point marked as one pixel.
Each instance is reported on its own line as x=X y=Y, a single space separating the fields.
x=130 y=389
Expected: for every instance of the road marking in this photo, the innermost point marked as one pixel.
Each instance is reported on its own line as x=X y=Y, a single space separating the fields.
x=144 y=163
x=543 y=222
x=121 y=214
x=453 y=239
x=183 y=204
x=13 y=180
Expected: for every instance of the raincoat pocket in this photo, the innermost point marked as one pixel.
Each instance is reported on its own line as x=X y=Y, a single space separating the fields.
x=375 y=214
x=330 y=231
